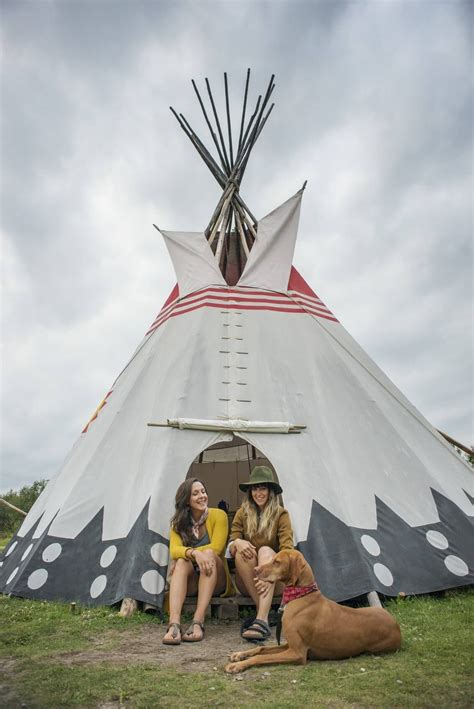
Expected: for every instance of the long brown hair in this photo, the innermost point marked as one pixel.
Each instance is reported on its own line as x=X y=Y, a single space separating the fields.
x=264 y=522
x=182 y=521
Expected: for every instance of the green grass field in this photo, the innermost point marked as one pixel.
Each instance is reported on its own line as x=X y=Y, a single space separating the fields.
x=433 y=669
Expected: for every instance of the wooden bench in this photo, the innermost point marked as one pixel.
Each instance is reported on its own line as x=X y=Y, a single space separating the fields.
x=226 y=608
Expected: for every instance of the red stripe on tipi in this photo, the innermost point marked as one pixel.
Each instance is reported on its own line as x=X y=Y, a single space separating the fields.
x=298 y=283
x=295 y=282
x=172 y=296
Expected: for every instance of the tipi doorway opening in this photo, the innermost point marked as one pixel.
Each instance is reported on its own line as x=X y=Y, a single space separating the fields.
x=222 y=467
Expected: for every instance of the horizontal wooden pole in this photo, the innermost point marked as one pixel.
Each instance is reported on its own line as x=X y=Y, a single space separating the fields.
x=12 y=507
x=456 y=443
x=236 y=429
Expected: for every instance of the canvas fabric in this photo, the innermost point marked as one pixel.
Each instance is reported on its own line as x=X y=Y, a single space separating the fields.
x=269 y=262
x=377 y=499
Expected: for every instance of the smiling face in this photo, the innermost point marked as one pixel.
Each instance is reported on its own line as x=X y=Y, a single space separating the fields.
x=260 y=494
x=197 y=499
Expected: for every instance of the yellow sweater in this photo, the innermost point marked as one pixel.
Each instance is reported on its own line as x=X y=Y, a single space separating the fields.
x=217 y=526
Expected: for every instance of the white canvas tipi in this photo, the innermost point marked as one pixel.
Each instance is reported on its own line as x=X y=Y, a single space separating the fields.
x=378 y=499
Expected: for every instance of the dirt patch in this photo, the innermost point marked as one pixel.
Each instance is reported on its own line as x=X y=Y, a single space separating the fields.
x=143 y=646
x=7 y=693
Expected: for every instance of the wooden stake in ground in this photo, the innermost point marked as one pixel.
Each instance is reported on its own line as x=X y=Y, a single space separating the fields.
x=128 y=608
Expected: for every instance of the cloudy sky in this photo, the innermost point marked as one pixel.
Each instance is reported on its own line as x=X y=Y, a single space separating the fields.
x=372 y=108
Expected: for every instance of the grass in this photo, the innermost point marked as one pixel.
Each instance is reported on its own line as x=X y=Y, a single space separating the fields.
x=433 y=668
x=4 y=539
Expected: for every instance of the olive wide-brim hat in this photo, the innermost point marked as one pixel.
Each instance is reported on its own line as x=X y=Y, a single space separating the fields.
x=261 y=475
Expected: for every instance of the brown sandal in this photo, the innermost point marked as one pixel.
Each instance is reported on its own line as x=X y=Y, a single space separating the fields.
x=175 y=635
x=188 y=636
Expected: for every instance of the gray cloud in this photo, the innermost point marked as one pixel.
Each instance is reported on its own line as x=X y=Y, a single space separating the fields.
x=372 y=107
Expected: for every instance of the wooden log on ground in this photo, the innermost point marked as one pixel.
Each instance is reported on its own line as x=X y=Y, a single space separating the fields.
x=373 y=599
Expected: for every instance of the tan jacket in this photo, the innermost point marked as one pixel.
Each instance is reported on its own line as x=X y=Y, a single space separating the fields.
x=282 y=536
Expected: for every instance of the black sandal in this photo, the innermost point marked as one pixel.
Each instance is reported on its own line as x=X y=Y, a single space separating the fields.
x=246 y=625
x=256 y=626
x=188 y=636
x=175 y=638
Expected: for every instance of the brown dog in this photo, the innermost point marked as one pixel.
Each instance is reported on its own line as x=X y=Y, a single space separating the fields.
x=315 y=627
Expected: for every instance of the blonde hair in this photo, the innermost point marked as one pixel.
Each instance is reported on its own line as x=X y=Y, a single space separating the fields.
x=264 y=522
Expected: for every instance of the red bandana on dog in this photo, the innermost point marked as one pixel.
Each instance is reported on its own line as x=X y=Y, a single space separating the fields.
x=291 y=593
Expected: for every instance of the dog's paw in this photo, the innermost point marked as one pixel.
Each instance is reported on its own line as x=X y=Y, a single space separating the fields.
x=236 y=656
x=232 y=668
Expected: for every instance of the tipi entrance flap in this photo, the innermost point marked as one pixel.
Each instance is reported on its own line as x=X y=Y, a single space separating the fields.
x=193 y=261
x=269 y=262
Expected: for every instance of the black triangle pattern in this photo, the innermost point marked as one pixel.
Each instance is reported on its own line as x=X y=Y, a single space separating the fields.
x=87 y=569
x=347 y=561
x=395 y=557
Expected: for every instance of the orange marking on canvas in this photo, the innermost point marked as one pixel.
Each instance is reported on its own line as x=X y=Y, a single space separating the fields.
x=96 y=412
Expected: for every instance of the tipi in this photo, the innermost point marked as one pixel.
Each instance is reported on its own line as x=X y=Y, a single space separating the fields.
x=244 y=361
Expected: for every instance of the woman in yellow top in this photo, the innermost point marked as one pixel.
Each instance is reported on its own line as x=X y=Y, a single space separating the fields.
x=198 y=538
x=260 y=529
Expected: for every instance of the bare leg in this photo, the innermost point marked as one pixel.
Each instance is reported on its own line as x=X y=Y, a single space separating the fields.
x=207 y=585
x=263 y=604
x=265 y=554
x=244 y=577
x=182 y=581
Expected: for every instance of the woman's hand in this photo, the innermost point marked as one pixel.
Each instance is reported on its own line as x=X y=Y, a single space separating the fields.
x=245 y=548
x=262 y=587
x=205 y=564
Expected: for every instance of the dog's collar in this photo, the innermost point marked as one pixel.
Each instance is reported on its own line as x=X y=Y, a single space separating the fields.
x=291 y=593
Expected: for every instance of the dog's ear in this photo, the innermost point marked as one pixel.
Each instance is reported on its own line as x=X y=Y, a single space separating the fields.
x=296 y=566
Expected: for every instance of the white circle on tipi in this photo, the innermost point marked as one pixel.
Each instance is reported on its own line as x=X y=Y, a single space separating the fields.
x=108 y=555
x=26 y=552
x=12 y=548
x=13 y=574
x=98 y=585
x=52 y=552
x=152 y=582
x=370 y=544
x=160 y=553
x=436 y=539
x=383 y=574
x=456 y=565
x=37 y=579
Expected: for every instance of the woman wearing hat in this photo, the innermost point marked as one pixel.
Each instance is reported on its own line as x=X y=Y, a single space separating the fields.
x=260 y=529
